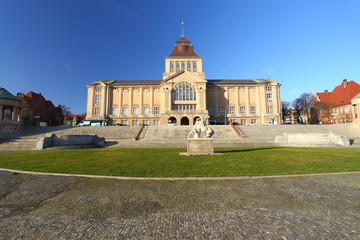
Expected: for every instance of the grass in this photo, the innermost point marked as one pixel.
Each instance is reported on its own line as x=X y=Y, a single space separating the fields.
x=168 y=163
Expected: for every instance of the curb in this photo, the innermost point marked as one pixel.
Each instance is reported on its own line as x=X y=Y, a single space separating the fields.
x=175 y=178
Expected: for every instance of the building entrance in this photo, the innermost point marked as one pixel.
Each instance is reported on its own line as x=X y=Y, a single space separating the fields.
x=184 y=121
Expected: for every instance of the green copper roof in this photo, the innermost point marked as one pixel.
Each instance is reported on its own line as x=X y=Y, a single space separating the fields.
x=357 y=96
x=6 y=95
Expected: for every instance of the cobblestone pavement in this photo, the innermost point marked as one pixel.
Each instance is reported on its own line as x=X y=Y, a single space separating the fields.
x=49 y=207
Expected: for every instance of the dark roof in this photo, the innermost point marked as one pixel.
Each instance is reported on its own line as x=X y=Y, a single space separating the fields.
x=5 y=94
x=183 y=48
x=230 y=81
x=136 y=82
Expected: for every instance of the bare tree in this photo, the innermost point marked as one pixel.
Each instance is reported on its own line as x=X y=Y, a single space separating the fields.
x=285 y=107
x=303 y=105
x=65 y=110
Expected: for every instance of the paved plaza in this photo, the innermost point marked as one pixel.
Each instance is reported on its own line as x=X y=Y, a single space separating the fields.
x=53 y=207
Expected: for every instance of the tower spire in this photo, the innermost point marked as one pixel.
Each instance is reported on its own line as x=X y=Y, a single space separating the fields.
x=182 y=29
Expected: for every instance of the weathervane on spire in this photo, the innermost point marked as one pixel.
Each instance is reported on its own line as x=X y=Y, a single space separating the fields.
x=182 y=29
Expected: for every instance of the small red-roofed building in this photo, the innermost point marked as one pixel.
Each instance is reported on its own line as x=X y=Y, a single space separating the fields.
x=41 y=111
x=335 y=107
x=355 y=103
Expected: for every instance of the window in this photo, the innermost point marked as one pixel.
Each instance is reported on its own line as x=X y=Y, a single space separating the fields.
x=96 y=111
x=243 y=121
x=222 y=109
x=184 y=92
x=232 y=109
x=146 y=110
x=156 y=122
x=114 y=111
x=232 y=120
x=177 y=66
x=242 y=110
x=183 y=65
x=268 y=88
x=253 y=121
x=146 y=122
x=189 y=66
x=269 y=97
x=171 y=66
x=194 y=66
x=156 y=110
x=252 y=110
x=124 y=122
x=269 y=109
x=98 y=89
x=211 y=110
x=135 y=111
x=7 y=114
x=125 y=111
x=97 y=99
x=135 y=122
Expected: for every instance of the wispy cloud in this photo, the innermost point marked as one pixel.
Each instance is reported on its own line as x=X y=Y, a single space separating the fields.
x=123 y=10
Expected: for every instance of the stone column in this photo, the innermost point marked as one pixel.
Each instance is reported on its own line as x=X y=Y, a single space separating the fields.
x=1 y=112
x=247 y=100
x=237 y=100
x=120 y=100
x=130 y=100
x=141 y=101
x=151 y=100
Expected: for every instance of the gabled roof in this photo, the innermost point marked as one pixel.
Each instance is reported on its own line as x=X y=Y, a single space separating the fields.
x=5 y=94
x=341 y=95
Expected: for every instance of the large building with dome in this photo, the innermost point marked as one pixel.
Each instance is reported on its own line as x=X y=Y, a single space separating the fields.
x=183 y=95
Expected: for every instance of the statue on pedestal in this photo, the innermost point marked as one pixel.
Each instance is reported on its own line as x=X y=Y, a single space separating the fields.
x=201 y=129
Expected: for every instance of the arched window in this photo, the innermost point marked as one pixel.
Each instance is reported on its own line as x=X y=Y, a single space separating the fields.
x=184 y=92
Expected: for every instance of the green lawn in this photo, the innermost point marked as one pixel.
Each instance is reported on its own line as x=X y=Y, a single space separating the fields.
x=168 y=163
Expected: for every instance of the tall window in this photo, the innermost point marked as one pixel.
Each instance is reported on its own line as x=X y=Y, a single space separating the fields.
x=183 y=65
x=156 y=110
x=269 y=97
x=194 y=66
x=222 y=109
x=242 y=121
x=97 y=99
x=268 y=88
x=184 y=92
x=124 y=122
x=177 y=66
x=232 y=109
x=98 y=89
x=125 y=111
x=96 y=111
x=156 y=122
x=252 y=110
x=269 y=109
x=146 y=110
x=135 y=111
x=242 y=110
x=114 y=111
x=146 y=122
x=211 y=110
x=189 y=66
x=172 y=66
x=135 y=123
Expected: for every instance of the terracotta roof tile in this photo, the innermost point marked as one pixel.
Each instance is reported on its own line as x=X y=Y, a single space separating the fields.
x=342 y=94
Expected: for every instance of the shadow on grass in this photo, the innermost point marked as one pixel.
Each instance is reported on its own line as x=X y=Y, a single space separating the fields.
x=248 y=150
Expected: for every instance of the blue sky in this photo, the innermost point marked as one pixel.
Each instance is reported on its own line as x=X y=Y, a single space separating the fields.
x=57 y=47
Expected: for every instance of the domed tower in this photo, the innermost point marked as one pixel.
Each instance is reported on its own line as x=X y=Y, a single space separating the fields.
x=183 y=57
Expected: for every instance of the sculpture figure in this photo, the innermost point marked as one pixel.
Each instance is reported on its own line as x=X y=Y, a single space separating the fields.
x=201 y=129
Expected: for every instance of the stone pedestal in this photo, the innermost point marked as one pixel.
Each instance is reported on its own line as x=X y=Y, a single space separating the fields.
x=200 y=146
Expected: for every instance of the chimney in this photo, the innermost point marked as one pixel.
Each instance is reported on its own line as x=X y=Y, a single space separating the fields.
x=326 y=91
x=344 y=83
